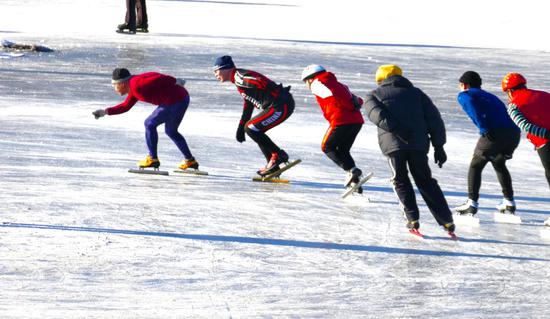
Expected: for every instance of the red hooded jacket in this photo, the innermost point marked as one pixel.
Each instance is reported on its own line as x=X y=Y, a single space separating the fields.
x=535 y=106
x=150 y=87
x=335 y=100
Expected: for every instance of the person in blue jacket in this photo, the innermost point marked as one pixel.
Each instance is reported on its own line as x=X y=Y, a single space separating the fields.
x=497 y=143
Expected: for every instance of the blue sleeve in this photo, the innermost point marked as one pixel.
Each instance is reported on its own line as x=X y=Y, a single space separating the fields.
x=473 y=111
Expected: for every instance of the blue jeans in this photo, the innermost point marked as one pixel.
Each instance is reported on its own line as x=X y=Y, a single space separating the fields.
x=171 y=116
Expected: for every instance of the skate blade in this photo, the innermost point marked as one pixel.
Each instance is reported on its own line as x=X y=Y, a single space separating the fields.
x=416 y=232
x=190 y=172
x=148 y=171
x=272 y=180
x=507 y=218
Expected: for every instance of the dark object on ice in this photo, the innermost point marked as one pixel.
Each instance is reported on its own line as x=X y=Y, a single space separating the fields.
x=136 y=18
x=25 y=47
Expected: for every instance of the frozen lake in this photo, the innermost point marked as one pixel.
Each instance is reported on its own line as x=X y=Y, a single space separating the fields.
x=82 y=238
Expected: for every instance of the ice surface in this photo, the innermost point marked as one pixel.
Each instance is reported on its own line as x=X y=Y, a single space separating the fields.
x=83 y=238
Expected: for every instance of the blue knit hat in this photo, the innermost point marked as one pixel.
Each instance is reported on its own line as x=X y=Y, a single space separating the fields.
x=223 y=62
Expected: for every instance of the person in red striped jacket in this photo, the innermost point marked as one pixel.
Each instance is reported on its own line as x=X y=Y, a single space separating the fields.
x=341 y=109
x=530 y=110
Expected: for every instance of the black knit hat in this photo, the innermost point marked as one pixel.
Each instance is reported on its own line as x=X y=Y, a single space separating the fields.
x=120 y=75
x=223 y=62
x=471 y=78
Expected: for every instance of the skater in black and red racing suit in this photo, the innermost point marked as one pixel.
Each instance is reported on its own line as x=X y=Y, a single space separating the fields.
x=275 y=102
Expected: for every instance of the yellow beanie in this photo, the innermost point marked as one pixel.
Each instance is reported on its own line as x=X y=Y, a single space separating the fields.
x=385 y=71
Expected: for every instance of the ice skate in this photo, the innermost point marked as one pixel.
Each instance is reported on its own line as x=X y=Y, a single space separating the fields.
x=413 y=226
x=450 y=228
x=277 y=158
x=142 y=28
x=354 y=175
x=467 y=209
x=189 y=163
x=507 y=207
x=125 y=28
x=149 y=162
x=507 y=212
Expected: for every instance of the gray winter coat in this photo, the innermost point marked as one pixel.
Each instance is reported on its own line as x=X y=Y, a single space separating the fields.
x=403 y=112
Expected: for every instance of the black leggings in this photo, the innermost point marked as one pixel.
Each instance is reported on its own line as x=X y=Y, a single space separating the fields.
x=337 y=144
x=544 y=154
x=474 y=176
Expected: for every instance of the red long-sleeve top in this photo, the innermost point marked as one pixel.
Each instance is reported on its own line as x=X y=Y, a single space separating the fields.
x=150 y=87
x=335 y=100
x=535 y=106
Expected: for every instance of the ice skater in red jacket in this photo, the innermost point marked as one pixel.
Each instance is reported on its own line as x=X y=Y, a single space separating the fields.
x=172 y=99
x=341 y=108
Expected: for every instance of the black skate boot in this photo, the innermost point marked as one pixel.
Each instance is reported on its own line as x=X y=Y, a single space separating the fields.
x=354 y=175
x=126 y=28
x=468 y=208
x=507 y=207
x=277 y=158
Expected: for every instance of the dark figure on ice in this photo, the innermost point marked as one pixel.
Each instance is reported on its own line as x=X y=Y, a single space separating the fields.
x=407 y=122
x=133 y=22
x=172 y=101
x=499 y=137
x=341 y=109
x=275 y=102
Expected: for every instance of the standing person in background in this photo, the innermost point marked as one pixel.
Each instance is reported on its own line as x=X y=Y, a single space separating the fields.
x=530 y=110
x=172 y=101
x=341 y=109
x=407 y=122
x=275 y=102
x=497 y=143
x=130 y=23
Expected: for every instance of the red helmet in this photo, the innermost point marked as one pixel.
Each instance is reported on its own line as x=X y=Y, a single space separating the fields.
x=512 y=80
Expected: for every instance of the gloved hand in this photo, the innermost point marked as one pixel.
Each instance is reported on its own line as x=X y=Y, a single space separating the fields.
x=99 y=113
x=357 y=101
x=440 y=157
x=240 y=134
x=489 y=135
x=180 y=81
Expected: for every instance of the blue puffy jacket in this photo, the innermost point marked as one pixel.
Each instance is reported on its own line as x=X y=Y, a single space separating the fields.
x=486 y=110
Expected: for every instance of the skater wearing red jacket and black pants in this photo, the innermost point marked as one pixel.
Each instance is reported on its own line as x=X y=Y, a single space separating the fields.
x=275 y=101
x=341 y=109
x=172 y=99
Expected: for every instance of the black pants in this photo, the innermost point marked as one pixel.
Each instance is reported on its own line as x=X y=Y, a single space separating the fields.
x=131 y=6
x=337 y=144
x=544 y=154
x=266 y=120
x=496 y=151
x=417 y=162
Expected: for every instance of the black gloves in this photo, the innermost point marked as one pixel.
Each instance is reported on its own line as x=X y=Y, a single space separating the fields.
x=357 y=101
x=489 y=135
x=240 y=134
x=440 y=157
x=99 y=113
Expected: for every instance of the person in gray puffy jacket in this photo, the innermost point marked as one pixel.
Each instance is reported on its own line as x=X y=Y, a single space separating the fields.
x=408 y=122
